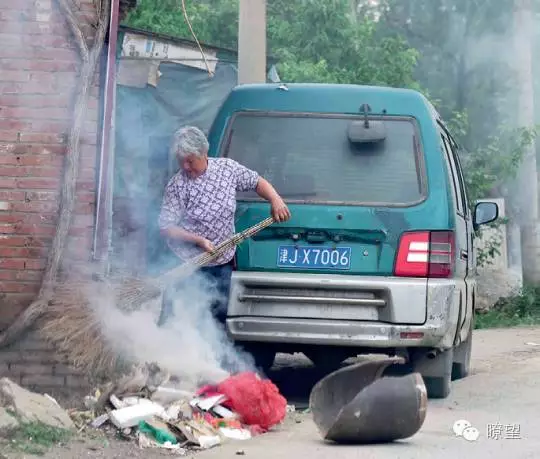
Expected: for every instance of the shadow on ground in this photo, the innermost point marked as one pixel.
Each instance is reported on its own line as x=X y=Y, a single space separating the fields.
x=295 y=377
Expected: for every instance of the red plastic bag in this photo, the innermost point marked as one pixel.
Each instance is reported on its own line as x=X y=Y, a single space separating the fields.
x=256 y=400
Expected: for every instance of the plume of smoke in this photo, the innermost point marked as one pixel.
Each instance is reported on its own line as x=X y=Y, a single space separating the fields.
x=191 y=345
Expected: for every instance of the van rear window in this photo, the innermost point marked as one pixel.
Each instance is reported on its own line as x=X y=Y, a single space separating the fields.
x=309 y=158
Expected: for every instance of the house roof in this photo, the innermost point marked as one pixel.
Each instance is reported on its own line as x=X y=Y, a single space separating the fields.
x=232 y=54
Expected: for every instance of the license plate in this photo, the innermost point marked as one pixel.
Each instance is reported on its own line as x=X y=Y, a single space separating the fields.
x=290 y=256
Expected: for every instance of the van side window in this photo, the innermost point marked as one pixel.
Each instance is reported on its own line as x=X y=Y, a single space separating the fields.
x=462 y=186
x=455 y=176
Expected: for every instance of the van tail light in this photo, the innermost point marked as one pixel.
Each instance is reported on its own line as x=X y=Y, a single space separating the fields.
x=426 y=254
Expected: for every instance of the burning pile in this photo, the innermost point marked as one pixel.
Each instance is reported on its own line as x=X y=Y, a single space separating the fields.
x=241 y=406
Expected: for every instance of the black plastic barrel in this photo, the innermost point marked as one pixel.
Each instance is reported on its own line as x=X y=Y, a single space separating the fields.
x=357 y=404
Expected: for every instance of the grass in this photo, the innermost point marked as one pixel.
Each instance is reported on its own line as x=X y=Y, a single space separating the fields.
x=36 y=438
x=519 y=310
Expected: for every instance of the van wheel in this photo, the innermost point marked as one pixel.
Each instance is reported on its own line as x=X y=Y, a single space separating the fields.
x=436 y=373
x=462 y=357
x=438 y=387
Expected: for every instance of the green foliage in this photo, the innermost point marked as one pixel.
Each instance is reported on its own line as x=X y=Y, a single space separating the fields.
x=516 y=310
x=36 y=438
x=496 y=162
x=343 y=49
x=436 y=46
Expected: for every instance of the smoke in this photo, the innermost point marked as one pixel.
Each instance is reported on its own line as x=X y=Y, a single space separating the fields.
x=191 y=345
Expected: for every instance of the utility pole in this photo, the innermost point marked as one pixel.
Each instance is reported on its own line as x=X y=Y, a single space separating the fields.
x=252 y=42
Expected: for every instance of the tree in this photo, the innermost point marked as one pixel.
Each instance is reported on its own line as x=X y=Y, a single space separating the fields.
x=343 y=50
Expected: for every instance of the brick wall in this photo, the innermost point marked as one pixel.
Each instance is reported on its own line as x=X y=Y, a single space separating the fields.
x=33 y=363
x=38 y=72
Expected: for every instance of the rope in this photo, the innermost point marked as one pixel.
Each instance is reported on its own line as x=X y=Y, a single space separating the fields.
x=184 y=10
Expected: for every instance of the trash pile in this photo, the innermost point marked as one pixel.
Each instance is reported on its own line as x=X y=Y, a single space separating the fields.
x=238 y=408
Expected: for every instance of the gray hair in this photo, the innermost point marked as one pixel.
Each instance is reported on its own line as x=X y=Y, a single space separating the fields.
x=187 y=141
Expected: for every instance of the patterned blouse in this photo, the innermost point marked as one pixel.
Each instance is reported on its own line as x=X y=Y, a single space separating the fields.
x=205 y=205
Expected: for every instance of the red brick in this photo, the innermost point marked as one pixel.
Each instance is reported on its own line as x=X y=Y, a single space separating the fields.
x=33 y=342
x=38 y=206
x=19 y=287
x=40 y=230
x=7 y=357
x=25 y=100
x=16 y=5
x=12 y=195
x=22 y=252
x=41 y=137
x=8 y=136
x=38 y=183
x=84 y=208
x=26 y=369
x=52 y=160
x=7 y=228
x=14 y=263
x=45 y=113
x=41 y=172
x=7 y=182
x=7 y=148
x=14 y=75
x=11 y=88
x=14 y=241
x=20 y=171
x=40 y=356
x=14 y=125
x=39 y=65
x=88 y=184
x=9 y=218
x=86 y=197
x=43 y=381
x=41 y=196
x=35 y=264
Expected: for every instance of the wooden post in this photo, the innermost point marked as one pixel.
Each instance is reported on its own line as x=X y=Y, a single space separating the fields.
x=252 y=42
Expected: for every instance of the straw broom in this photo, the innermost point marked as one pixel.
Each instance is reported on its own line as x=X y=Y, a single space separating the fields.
x=71 y=323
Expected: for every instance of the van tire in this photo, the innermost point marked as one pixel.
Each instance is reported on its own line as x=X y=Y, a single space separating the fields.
x=436 y=373
x=438 y=387
x=462 y=356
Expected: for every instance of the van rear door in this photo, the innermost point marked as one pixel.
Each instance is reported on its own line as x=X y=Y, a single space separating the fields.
x=350 y=199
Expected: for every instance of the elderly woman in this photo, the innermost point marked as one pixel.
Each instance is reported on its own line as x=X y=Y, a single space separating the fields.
x=199 y=206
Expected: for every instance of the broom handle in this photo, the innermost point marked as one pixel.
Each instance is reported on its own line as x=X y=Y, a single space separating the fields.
x=201 y=260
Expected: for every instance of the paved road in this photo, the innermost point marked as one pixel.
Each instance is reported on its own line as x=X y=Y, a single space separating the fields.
x=503 y=388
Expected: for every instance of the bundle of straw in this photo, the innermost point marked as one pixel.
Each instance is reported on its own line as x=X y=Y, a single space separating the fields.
x=71 y=323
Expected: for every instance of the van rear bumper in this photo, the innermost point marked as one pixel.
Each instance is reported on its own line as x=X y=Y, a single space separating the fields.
x=261 y=309
x=334 y=333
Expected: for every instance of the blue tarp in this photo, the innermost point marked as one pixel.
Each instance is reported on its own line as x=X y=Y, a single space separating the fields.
x=145 y=120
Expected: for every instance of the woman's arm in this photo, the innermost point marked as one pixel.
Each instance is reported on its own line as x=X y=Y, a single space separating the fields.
x=171 y=214
x=265 y=190
x=175 y=232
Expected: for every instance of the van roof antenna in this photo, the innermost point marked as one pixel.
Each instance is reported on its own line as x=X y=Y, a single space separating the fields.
x=365 y=108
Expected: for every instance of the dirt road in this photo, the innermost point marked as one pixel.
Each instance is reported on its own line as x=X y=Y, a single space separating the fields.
x=502 y=392
x=503 y=388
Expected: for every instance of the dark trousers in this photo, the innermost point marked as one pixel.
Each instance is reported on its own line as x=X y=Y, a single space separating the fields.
x=220 y=276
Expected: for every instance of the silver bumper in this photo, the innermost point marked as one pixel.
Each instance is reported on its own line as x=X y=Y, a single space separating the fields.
x=338 y=310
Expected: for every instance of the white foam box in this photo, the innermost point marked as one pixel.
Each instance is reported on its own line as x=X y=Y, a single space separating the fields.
x=131 y=415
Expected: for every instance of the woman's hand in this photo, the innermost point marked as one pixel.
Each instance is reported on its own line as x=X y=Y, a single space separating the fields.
x=280 y=211
x=206 y=245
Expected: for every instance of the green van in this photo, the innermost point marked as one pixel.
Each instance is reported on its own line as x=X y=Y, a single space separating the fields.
x=378 y=256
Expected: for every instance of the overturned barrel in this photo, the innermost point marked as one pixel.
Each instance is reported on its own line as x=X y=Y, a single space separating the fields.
x=356 y=404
